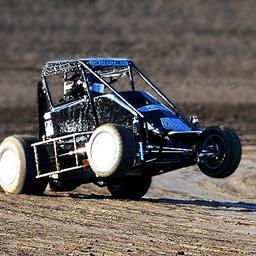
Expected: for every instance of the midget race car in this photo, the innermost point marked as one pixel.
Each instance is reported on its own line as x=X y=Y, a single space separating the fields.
x=102 y=120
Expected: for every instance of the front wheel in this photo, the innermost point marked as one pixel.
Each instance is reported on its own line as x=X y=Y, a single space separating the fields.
x=130 y=187
x=220 y=152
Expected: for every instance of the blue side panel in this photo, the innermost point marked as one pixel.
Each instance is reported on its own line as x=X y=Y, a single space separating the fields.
x=153 y=107
x=163 y=117
x=174 y=123
x=108 y=62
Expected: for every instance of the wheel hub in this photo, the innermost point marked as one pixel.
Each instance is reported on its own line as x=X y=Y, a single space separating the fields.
x=104 y=150
x=213 y=152
x=9 y=167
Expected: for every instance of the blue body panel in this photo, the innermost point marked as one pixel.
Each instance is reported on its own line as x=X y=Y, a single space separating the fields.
x=153 y=107
x=160 y=115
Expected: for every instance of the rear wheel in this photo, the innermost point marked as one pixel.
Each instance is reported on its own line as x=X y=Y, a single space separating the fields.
x=220 y=152
x=111 y=150
x=130 y=187
x=18 y=168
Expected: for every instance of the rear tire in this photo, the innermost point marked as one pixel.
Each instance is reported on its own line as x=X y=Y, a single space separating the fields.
x=130 y=187
x=18 y=168
x=228 y=157
x=111 y=150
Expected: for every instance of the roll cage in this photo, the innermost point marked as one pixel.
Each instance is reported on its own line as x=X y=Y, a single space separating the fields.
x=102 y=68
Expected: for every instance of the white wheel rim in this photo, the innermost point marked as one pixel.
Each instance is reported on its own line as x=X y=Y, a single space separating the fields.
x=9 y=167
x=104 y=151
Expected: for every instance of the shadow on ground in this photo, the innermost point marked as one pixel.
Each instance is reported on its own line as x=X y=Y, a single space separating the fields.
x=231 y=206
x=216 y=205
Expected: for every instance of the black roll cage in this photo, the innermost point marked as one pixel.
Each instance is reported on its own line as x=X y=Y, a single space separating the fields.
x=59 y=67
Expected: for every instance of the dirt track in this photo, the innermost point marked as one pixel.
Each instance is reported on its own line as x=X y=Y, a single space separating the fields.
x=166 y=222
x=203 y=54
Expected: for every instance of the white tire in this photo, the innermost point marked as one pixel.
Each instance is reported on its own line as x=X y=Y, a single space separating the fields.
x=17 y=167
x=111 y=150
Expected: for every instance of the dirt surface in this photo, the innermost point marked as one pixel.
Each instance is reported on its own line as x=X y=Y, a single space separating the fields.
x=203 y=55
x=184 y=213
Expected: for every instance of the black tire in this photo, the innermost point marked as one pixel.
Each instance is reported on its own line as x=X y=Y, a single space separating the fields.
x=228 y=154
x=130 y=187
x=111 y=150
x=23 y=168
x=61 y=186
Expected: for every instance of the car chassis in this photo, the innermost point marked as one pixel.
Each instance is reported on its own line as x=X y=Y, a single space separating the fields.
x=152 y=151
x=165 y=139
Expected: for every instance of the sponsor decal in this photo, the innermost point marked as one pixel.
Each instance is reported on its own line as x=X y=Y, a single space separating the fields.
x=174 y=123
x=109 y=62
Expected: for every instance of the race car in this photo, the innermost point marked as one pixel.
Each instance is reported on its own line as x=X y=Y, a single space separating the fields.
x=102 y=120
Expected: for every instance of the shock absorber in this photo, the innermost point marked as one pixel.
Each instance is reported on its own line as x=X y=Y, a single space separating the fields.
x=136 y=126
x=137 y=132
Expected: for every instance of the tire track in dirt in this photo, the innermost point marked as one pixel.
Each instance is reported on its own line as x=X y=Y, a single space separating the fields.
x=77 y=224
